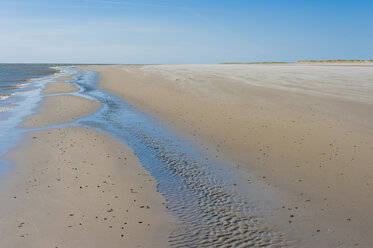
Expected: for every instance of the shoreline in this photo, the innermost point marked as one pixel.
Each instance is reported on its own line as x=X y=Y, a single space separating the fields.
x=313 y=183
x=21 y=104
x=67 y=189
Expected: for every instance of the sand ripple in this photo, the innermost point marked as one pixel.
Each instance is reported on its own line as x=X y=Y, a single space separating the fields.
x=210 y=211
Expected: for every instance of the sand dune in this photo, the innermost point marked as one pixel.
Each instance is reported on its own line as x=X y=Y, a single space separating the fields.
x=305 y=130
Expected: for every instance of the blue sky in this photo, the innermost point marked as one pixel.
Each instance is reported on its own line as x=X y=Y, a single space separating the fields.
x=184 y=31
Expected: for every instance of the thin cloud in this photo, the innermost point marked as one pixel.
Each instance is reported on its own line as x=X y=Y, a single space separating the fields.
x=28 y=20
x=127 y=3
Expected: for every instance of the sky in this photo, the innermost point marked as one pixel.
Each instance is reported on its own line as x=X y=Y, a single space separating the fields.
x=184 y=31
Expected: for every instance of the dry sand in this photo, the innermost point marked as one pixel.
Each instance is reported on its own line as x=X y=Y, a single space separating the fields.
x=75 y=187
x=304 y=130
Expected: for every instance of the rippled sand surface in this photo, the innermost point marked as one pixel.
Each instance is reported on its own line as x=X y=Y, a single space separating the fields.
x=198 y=190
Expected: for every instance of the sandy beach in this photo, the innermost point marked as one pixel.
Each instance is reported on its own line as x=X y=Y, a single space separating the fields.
x=297 y=140
x=303 y=130
x=76 y=187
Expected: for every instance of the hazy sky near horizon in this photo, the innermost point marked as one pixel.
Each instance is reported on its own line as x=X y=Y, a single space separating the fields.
x=184 y=31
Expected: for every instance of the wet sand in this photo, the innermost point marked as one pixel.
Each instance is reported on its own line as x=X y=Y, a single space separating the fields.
x=60 y=109
x=75 y=187
x=59 y=87
x=304 y=130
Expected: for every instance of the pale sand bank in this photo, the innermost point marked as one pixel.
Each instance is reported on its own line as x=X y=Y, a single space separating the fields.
x=303 y=130
x=66 y=78
x=59 y=87
x=75 y=187
x=60 y=109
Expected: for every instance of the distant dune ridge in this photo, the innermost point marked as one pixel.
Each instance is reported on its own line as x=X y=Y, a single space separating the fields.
x=307 y=61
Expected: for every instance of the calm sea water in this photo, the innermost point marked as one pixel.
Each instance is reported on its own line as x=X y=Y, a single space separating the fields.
x=15 y=78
